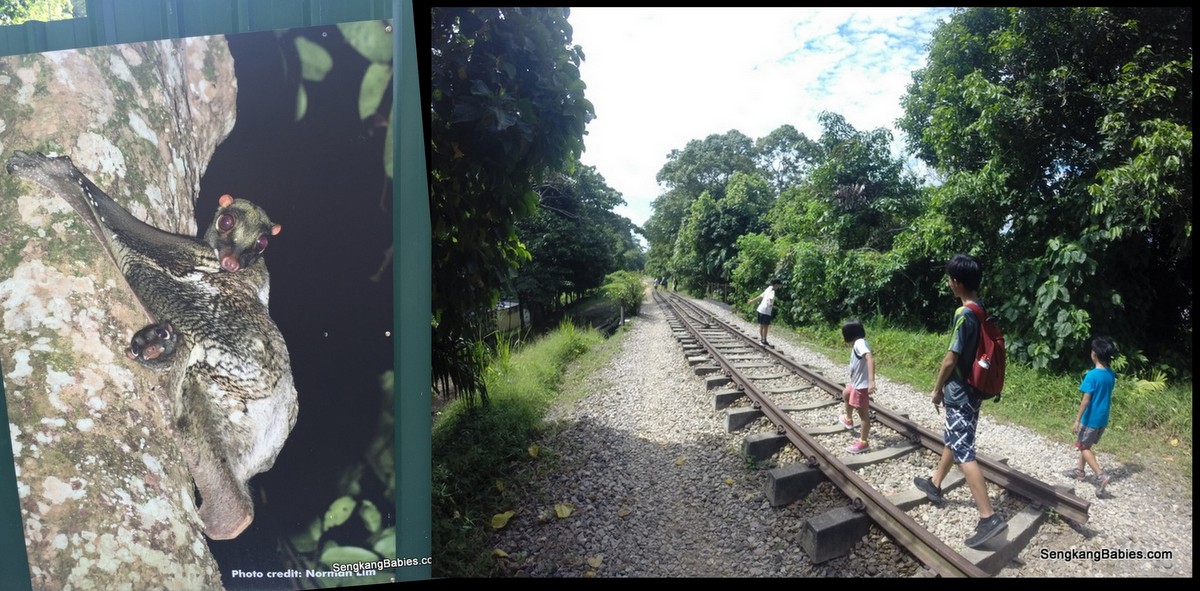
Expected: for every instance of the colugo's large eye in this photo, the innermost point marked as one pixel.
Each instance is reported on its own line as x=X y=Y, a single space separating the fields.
x=261 y=245
x=226 y=222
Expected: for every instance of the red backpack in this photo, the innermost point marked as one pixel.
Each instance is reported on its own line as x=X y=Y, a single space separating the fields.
x=987 y=371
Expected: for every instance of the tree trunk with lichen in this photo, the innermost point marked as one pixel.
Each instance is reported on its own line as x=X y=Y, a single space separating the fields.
x=106 y=498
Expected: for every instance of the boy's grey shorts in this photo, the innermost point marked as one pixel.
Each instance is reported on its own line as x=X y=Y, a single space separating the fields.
x=1088 y=436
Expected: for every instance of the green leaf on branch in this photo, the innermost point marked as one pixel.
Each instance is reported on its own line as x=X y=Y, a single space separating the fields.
x=347 y=555
x=339 y=512
x=370 y=515
x=306 y=541
x=301 y=102
x=386 y=545
x=372 y=39
x=315 y=61
x=374 y=84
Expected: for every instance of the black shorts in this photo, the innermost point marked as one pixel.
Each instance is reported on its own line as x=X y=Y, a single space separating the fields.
x=764 y=318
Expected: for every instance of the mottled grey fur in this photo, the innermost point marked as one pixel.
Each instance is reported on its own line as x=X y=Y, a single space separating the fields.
x=232 y=397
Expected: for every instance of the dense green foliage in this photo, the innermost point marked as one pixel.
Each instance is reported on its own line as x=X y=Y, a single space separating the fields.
x=627 y=289
x=506 y=111
x=480 y=454
x=829 y=234
x=14 y=12
x=702 y=166
x=1061 y=141
x=373 y=41
x=574 y=241
x=1065 y=135
x=706 y=244
x=357 y=525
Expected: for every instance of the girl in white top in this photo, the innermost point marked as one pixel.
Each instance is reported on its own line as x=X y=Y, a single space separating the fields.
x=862 y=383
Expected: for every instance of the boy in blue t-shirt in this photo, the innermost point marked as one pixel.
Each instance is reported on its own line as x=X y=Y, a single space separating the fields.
x=1092 y=418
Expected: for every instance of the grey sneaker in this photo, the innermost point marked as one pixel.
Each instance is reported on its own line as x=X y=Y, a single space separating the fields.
x=1102 y=480
x=986 y=530
x=1076 y=474
x=926 y=486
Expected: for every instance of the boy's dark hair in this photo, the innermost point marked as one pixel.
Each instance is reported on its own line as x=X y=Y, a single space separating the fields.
x=853 y=330
x=1104 y=349
x=966 y=270
x=776 y=281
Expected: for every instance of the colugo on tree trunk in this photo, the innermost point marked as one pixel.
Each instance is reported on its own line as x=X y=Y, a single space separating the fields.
x=232 y=397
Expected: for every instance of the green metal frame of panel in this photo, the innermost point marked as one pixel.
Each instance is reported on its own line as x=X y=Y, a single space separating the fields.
x=111 y=22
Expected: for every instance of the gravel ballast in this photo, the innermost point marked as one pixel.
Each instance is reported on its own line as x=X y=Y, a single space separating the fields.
x=656 y=487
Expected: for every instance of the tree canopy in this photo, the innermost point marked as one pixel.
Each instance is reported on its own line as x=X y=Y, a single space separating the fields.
x=1065 y=136
x=1060 y=140
x=702 y=165
x=507 y=109
x=574 y=240
x=511 y=209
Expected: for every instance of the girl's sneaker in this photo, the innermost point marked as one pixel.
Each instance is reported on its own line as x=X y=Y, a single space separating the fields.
x=847 y=423
x=858 y=447
x=1075 y=473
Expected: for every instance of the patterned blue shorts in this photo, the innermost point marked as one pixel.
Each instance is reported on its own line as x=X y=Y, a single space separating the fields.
x=961 y=422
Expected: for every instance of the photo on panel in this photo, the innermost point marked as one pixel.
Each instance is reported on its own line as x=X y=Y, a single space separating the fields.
x=177 y=414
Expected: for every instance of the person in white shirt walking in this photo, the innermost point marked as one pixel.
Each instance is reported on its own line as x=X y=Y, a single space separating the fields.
x=766 y=309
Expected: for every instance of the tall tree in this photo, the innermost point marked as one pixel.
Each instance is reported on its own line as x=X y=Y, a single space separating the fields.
x=837 y=226
x=689 y=261
x=506 y=109
x=785 y=156
x=706 y=245
x=574 y=239
x=1065 y=135
x=707 y=165
x=702 y=165
x=668 y=212
x=856 y=194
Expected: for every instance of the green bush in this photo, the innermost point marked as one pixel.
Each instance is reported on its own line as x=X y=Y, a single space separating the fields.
x=626 y=289
x=756 y=263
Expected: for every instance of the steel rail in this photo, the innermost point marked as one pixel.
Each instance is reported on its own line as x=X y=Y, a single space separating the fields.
x=1065 y=503
x=928 y=548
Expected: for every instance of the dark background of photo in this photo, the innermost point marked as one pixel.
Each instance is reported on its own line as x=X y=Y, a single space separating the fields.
x=322 y=178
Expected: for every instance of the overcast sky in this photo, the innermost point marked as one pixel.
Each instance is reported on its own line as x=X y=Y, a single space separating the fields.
x=660 y=78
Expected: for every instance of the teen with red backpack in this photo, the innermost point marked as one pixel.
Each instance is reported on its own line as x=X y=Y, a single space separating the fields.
x=964 y=273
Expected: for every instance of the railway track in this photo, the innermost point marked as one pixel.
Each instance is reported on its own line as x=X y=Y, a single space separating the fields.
x=755 y=382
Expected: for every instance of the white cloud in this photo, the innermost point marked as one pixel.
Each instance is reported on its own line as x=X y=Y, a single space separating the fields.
x=662 y=77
